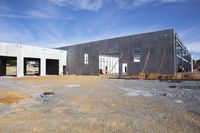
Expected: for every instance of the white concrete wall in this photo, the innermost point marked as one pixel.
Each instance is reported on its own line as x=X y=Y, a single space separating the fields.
x=25 y=51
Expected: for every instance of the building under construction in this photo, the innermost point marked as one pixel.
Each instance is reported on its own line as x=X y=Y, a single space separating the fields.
x=154 y=52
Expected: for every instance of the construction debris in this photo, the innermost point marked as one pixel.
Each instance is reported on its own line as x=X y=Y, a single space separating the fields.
x=157 y=76
x=48 y=93
x=172 y=86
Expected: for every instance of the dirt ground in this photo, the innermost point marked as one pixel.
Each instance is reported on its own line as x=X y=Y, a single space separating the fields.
x=96 y=104
x=12 y=70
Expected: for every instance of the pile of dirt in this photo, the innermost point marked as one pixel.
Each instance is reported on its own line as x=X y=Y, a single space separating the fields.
x=144 y=76
x=138 y=76
x=154 y=76
x=191 y=76
x=8 y=98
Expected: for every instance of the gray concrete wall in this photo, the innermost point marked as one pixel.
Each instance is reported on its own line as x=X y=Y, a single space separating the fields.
x=155 y=42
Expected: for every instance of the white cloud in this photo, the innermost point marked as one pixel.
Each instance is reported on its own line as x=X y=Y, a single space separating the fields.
x=33 y=15
x=45 y=15
x=80 y=4
x=9 y=33
x=37 y=11
x=194 y=46
x=40 y=34
x=58 y=2
x=187 y=32
x=40 y=31
x=124 y=4
x=171 y=1
x=94 y=5
x=190 y=38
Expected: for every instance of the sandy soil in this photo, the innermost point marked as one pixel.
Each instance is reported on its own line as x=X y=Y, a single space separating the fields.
x=10 y=97
x=12 y=70
x=91 y=104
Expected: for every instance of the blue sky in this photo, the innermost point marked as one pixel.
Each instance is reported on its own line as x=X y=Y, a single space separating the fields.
x=54 y=23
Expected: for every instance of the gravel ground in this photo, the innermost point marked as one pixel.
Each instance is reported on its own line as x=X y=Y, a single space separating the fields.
x=91 y=104
x=186 y=93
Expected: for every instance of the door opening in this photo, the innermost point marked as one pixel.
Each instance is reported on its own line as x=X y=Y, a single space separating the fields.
x=65 y=70
x=8 y=66
x=32 y=66
x=124 y=68
x=109 y=64
x=52 y=67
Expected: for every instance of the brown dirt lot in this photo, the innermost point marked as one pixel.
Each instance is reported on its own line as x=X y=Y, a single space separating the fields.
x=10 y=97
x=88 y=104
